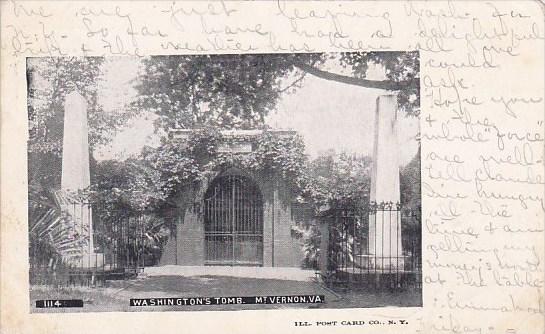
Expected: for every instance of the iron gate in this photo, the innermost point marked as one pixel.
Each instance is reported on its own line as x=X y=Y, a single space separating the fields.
x=233 y=221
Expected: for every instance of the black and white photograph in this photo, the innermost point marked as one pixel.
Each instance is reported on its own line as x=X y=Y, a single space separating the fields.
x=219 y=182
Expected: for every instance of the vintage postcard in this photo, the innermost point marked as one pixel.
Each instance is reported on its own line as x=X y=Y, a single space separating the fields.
x=297 y=166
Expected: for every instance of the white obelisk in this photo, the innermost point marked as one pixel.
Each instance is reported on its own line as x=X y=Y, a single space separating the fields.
x=75 y=166
x=385 y=225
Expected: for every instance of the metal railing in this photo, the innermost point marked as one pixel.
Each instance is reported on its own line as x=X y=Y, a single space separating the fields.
x=377 y=247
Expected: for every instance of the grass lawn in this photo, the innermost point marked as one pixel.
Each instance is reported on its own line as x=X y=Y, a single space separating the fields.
x=116 y=294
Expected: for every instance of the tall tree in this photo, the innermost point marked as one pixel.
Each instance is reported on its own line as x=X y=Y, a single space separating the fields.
x=238 y=91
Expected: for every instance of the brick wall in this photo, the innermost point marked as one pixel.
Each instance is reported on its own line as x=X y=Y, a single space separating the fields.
x=287 y=249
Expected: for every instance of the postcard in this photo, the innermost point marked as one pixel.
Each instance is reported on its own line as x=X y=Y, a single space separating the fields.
x=266 y=166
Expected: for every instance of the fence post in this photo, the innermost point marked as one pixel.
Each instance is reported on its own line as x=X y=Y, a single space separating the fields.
x=324 y=246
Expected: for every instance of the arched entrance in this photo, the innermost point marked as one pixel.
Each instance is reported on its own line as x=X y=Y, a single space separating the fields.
x=233 y=222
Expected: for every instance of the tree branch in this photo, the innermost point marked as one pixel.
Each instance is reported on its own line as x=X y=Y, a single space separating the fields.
x=294 y=83
x=385 y=84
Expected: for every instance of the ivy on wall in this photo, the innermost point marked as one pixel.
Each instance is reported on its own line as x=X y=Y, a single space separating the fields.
x=150 y=182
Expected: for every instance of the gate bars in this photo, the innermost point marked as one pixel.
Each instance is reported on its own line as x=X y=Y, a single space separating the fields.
x=233 y=221
x=377 y=247
x=121 y=239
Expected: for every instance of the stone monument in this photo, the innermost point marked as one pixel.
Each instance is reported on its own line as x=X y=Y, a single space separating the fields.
x=76 y=173
x=385 y=248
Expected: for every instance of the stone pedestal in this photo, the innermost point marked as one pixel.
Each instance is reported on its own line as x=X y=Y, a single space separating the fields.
x=385 y=251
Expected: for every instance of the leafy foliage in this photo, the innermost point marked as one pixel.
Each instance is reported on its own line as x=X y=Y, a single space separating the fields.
x=238 y=91
x=400 y=67
x=129 y=193
x=228 y=91
x=411 y=195
x=126 y=186
x=410 y=183
x=52 y=233
x=311 y=236
x=339 y=182
x=183 y=163
x=147 y=183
